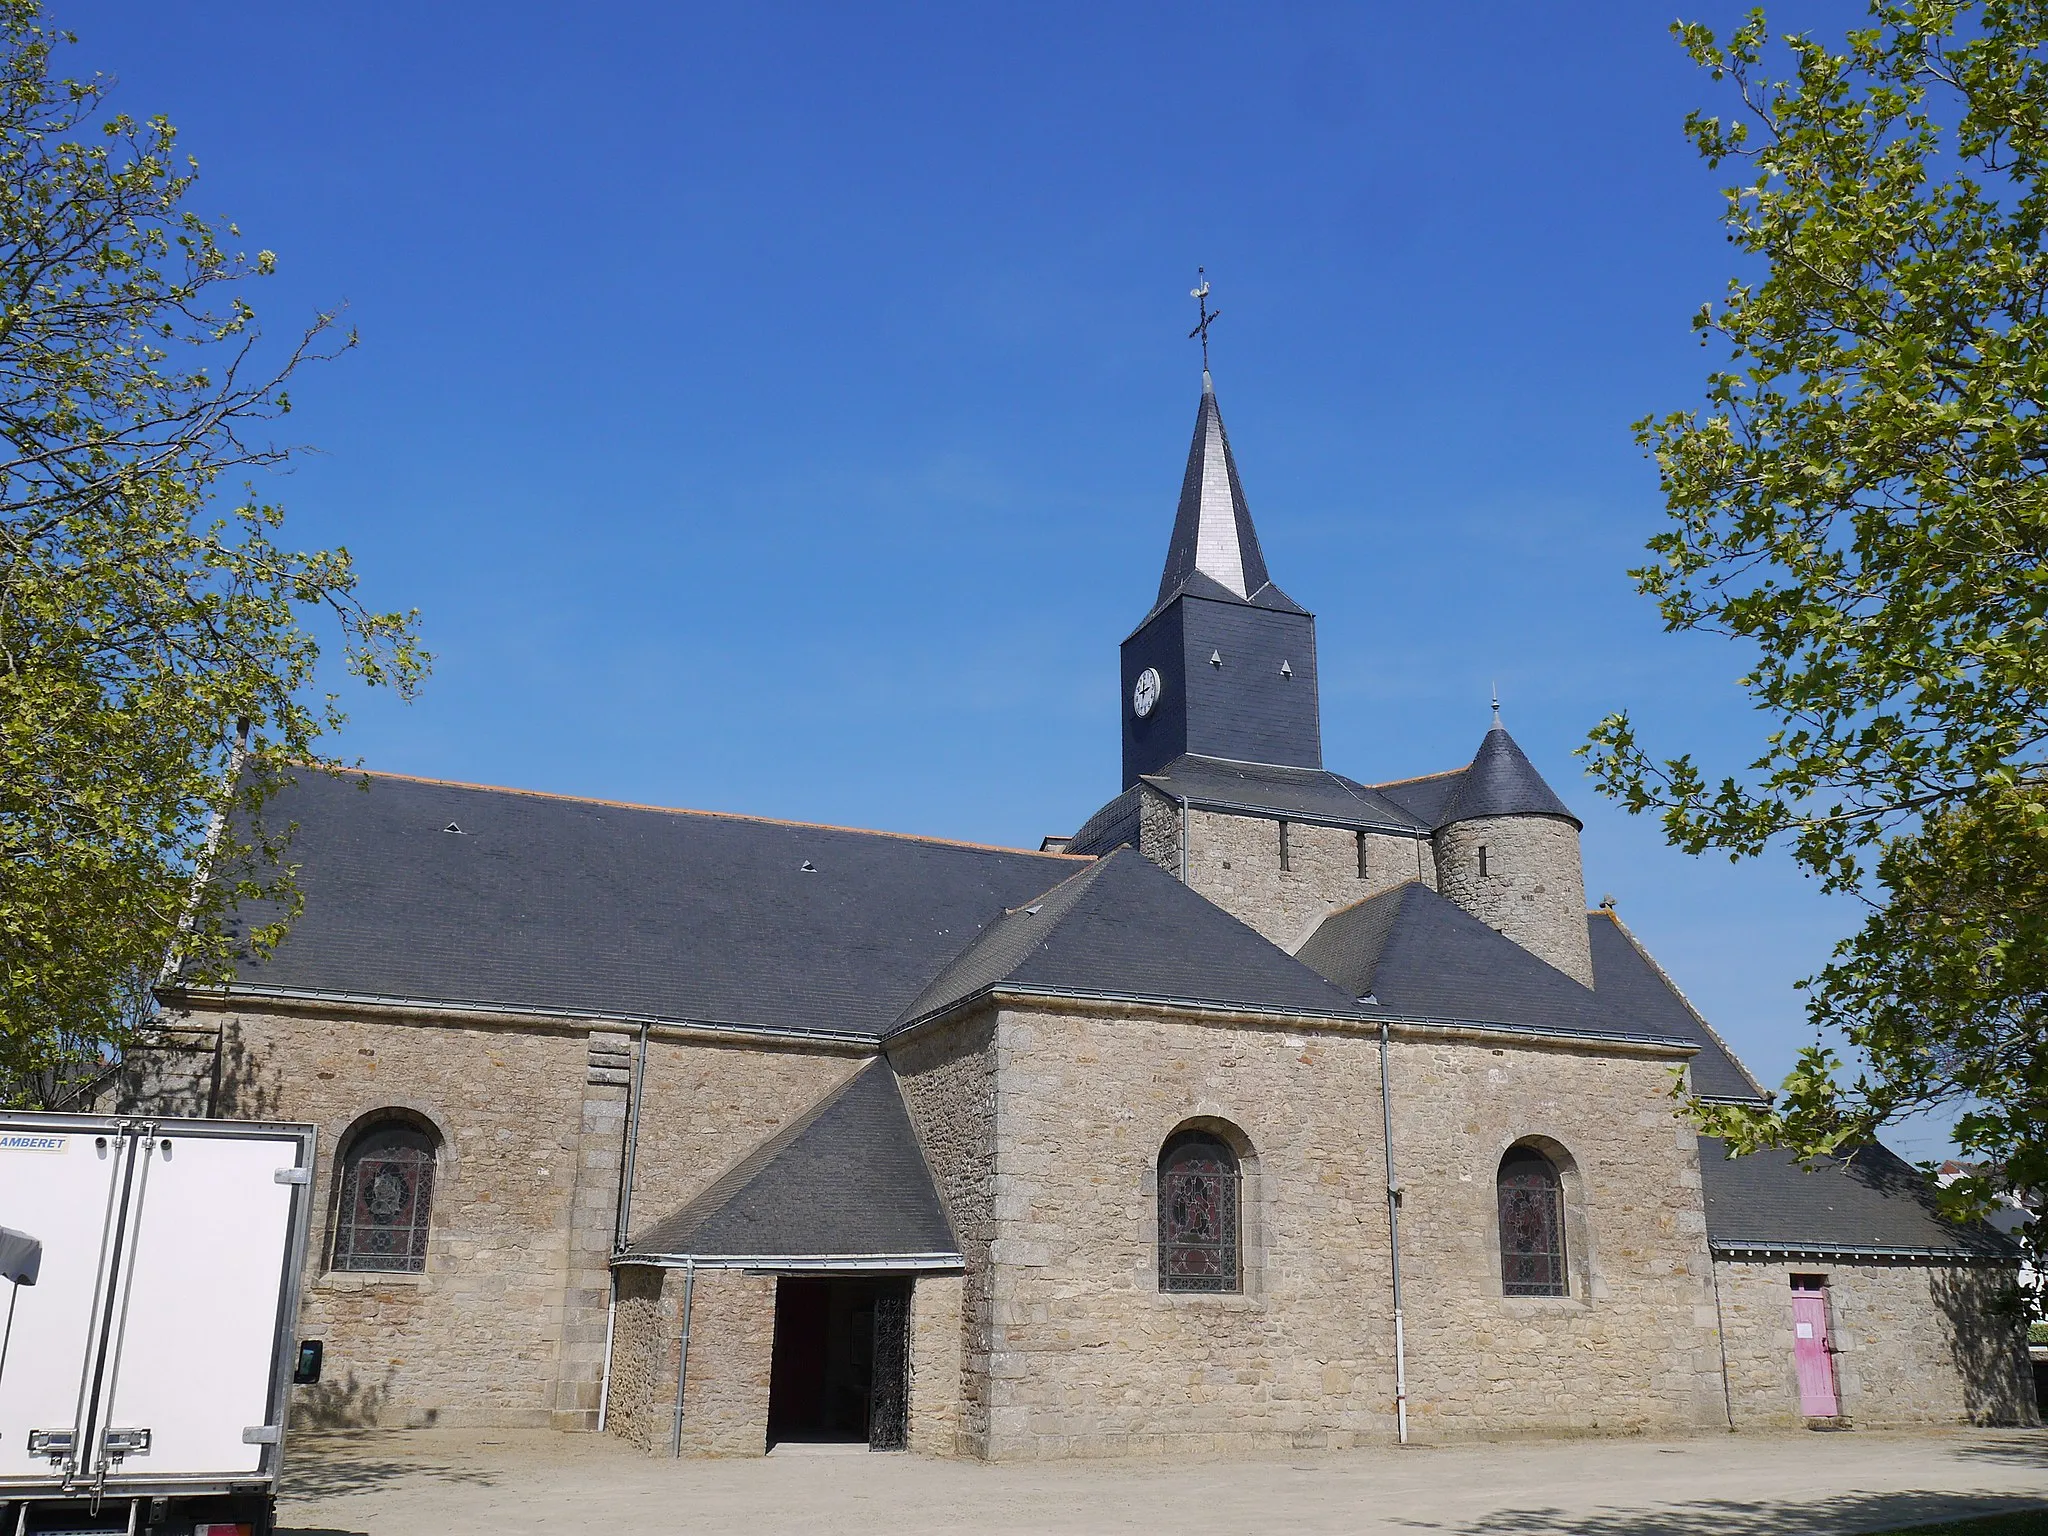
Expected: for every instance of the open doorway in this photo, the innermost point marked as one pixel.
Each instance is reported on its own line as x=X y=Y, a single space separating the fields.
x=840 y=1369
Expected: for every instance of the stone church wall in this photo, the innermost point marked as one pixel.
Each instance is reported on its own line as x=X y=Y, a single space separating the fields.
x=506 y=1325
x=1632 y=1348
x=705 y=1105
x=725 y=1386
x=1159 y=829
x=1919 y=1344
x=169 y=1071
x=948 y=1075
x=732 y=1346
x=936 y=1360
x=478 y=1337
x=1534 y=889
x=642 y=1407
x=1087 y=1357
x=1235 y=862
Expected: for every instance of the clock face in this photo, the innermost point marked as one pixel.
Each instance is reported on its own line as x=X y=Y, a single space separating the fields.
x=1145 y=697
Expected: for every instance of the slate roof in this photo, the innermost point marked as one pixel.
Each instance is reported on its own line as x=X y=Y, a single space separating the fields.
x=845 y=1178
x=1111 y=827
x=1124 y=928
x=1631 y=984
x=1201 y=584
x=1870 y=1201
x=1420 y=954
x=1214 y=551
x=1307 y=794
x=548 y=903
x=541 y=902
x=1501 y=781
x=1424 y=799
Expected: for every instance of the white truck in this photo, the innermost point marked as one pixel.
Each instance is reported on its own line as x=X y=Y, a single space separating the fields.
x=147 y=1361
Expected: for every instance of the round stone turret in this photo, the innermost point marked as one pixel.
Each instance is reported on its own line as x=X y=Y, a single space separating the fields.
x=1507 y=851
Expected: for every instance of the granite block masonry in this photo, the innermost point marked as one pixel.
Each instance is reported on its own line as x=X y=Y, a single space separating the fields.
x=707 y=1129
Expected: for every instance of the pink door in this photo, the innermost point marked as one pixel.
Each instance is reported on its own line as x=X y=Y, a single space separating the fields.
x=1813 y=1355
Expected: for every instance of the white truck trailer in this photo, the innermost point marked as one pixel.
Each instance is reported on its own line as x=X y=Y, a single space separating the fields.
x=145 y=1374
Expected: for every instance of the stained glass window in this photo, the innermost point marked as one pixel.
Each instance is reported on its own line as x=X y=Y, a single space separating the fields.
x=1198 y=1215
x=387 y=1198
x=1531 y=1225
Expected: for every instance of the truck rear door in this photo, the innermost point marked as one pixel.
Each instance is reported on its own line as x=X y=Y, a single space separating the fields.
x=197 y=1360
x=62 y=1186
x=157 y=1336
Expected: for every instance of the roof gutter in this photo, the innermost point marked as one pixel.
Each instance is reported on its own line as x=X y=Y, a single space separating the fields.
x=1755 y=1251
x=799 y=1263
x=864 y=1044
x=495 y=1013
x=1411 y=1025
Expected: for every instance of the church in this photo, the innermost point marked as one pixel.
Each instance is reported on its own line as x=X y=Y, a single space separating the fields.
x=1269 y=1109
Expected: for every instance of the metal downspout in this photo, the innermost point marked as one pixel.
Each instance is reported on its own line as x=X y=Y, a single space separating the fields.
x=623 y=1232
x=621 y=1229
x=1721 y=1337
x=1183 y=839
x=675 y=1446
x=1394 y=1242
x=611 y=1322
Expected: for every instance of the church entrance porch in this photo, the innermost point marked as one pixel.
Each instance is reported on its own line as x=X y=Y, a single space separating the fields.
x=839 y=1371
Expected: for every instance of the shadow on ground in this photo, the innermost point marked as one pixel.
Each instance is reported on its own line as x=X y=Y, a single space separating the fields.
x=1837 y=1516
x=2026 y=1451
x=363 y=1463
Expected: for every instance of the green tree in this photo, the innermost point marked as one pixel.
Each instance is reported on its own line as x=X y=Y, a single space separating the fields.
x=1861 y=502
x=156 y=664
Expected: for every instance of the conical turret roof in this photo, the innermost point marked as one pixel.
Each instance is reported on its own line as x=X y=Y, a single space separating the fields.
x=1502 y=782
x=1213 y=537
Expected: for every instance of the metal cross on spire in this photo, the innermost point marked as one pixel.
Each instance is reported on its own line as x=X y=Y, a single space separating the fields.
x=1200 y=294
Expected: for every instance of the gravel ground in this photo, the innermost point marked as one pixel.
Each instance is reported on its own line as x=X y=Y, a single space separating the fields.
x=473 y=1482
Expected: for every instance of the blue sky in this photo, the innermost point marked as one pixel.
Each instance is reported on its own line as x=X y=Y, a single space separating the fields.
x=780 y=409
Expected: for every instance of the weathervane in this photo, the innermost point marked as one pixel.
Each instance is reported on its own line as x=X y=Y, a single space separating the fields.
x=1200 y=294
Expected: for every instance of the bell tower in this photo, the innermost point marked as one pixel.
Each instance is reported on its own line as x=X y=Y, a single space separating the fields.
x=1225 y=663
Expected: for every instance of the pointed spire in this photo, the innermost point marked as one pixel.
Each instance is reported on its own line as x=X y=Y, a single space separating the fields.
x=1502 y=782
x=1212 y=532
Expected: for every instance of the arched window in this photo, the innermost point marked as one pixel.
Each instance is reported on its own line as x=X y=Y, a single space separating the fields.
x=1531 y=1225
x=1198 y=1215
x=387 y=1199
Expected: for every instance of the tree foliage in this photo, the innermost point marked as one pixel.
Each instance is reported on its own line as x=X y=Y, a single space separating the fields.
x=1862 y=503
x=152 y=642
